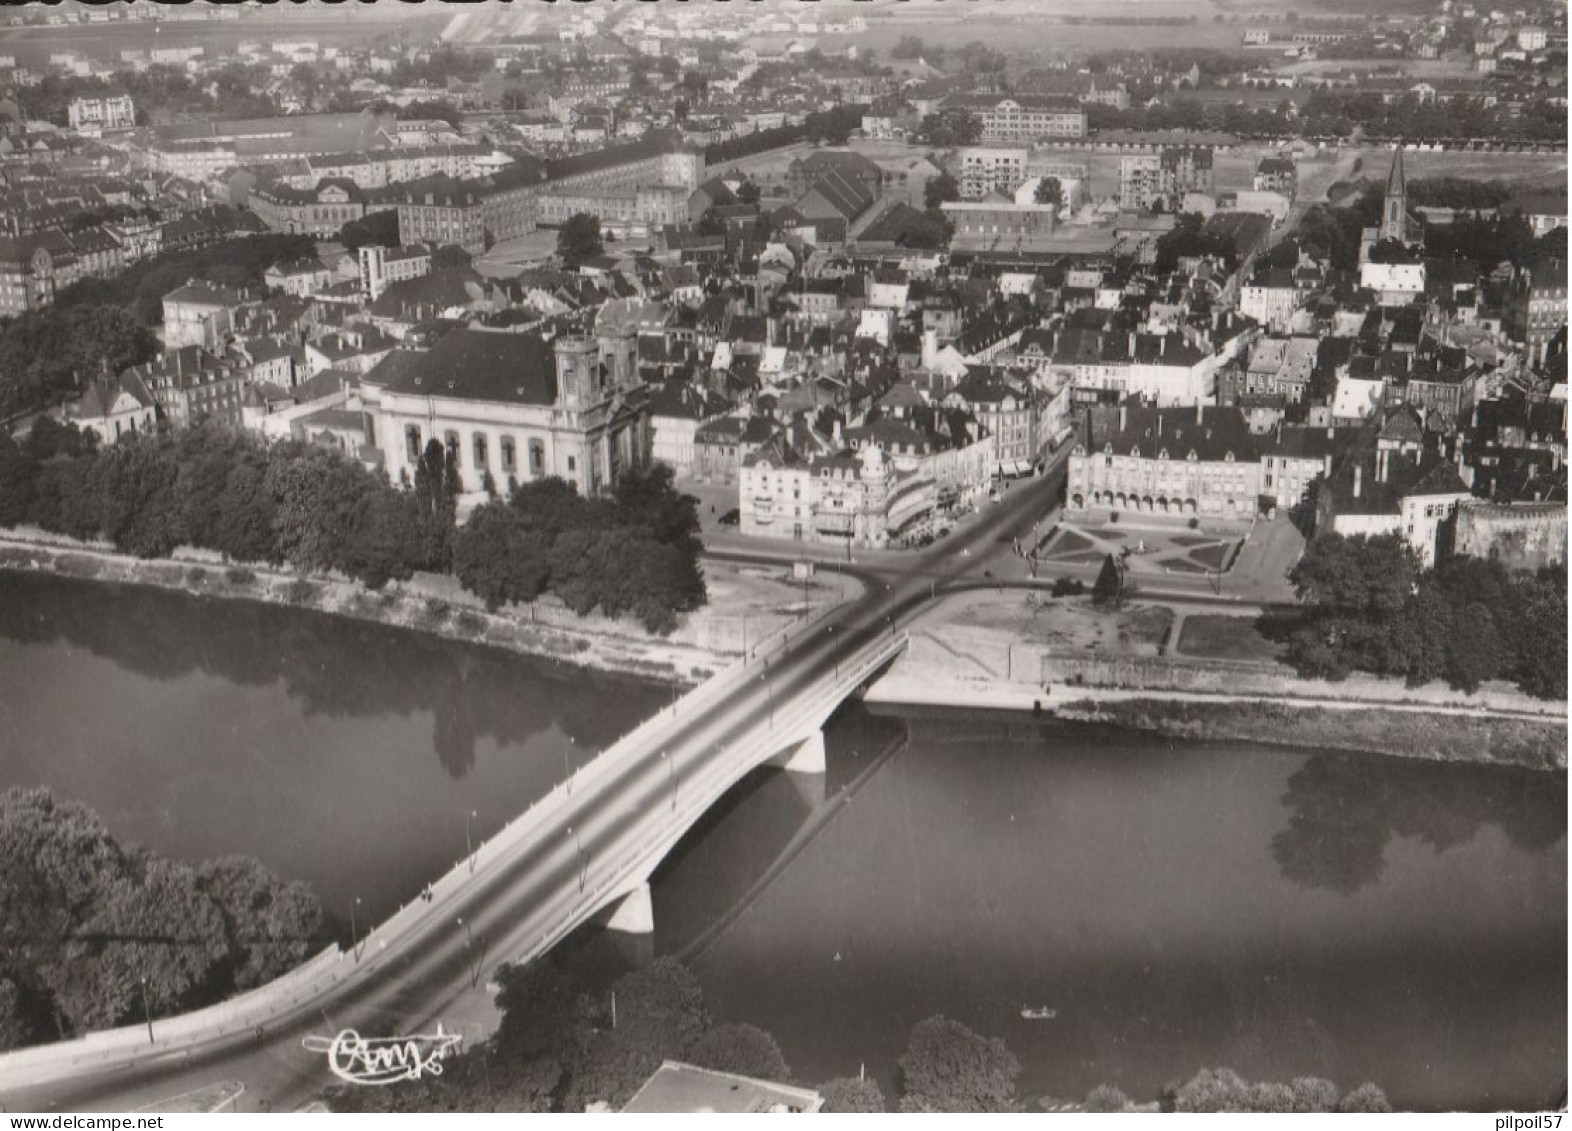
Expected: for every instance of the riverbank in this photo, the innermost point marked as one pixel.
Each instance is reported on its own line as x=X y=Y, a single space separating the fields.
x=986 y=651
x=748 y=604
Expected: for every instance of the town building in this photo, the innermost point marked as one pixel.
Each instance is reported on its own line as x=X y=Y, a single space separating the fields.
x=381 y=267
x=1199 y=461
x=1023 y=117
x=1148 y=179
x=111 y=112
x=113 y=407
x=512 y=407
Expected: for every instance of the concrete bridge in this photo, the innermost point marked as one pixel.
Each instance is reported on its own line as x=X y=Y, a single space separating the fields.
x=583 y=853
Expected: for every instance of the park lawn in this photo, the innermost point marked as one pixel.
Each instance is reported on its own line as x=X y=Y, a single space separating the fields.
x=1213 y=637
x=1184 y=565
x=1214 y=556
x=1068 y=542
x=1191 y=540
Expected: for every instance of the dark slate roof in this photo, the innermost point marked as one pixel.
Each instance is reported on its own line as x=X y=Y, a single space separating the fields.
x=1220 y=432
x=475 y=365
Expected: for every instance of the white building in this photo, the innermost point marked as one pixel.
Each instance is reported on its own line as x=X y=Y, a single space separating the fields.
x=112 y=112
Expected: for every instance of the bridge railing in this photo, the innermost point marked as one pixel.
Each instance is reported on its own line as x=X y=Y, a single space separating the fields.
x=633 y=865
x=287 y=995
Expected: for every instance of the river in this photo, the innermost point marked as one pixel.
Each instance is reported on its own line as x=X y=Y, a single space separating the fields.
x=1277 y=911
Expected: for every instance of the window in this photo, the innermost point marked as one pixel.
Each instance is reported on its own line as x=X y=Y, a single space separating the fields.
x=451 y=442
x=509 y=454
x=537 y=458
x=412 y=442
x=572 y=464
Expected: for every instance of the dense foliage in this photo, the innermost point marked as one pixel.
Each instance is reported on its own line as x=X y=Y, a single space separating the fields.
x=45 y=355
x=97 y=932
x=633 y=552
x=1222 y=1090
x=579 y=240
x=142 y=286
x=949 y=1068
x=1368 y=607
x=222 y=490
x=560 y=1049
x=831 y=127
x=950 y=128
x=378 y=229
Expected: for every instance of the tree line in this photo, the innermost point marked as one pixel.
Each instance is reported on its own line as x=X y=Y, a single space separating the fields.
x=99 y=934
x=1368 y=606
x=141 y=287
x=831 y=127
x=312 y=508
x=561 y=1048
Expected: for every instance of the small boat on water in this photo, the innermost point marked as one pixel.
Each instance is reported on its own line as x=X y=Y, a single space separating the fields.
x=1041 y=1013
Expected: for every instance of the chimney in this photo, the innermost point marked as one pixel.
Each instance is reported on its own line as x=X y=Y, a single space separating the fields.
x=1199 y=410
x=1124 y=417
x=1358 y=477
x=1132 y=344
x=1162 y=349
x=930 y=347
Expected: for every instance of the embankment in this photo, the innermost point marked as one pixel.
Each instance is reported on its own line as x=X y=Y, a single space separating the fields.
x=1212 y=699
x=1533 y=743
x=702 y=645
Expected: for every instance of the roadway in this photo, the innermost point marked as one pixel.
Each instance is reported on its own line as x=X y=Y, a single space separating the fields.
x=438 y=968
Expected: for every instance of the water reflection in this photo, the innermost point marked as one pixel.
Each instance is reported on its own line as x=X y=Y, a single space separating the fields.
x=332 y=667
x=1346 y=808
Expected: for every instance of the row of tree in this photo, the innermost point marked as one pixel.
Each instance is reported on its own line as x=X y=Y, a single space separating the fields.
x=828 y=127
x=635 y=551
x=141 y=287
x=98 y=933
x=560 y=1048
x=1368 y=606
x=219 y=489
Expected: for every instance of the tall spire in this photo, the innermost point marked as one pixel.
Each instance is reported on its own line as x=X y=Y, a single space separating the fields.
x=1394 y=208
x=1396 y=181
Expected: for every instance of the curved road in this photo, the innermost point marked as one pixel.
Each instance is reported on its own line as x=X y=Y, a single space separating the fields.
x=438 y=969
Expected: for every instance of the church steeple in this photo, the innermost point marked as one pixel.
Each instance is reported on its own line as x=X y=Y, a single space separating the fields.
x=1394 y=208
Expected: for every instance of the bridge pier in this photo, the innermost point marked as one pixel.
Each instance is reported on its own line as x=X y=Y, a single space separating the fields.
x=806 y=757
x=633 y=914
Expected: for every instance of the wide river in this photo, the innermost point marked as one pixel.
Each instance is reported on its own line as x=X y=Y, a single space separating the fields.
x=1281 y=912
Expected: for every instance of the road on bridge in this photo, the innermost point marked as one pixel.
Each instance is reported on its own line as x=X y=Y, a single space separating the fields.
x=438 y=969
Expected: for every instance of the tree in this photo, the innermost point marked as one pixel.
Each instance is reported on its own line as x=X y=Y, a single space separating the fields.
x=1214 y=1089
x=660 y=1016
x=744 y=1050
x=949 y=129
x=940 y=190
x=1106 y=1099
x=1357 y=576
x=1050 y=190
x=579 y=240
x=748 y=192
x=949 y=1068
x=908 y=47
x=1109 y=582
x=448 y=257
x=1312 y=1094
x=852 y=1095
x=1366 y=1098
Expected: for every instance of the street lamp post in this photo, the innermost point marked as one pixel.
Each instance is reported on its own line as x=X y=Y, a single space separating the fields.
x=567 y=765
x=146 y=1012
x=671 y=776
x=583 y=864
x=769 y=688
x=830 y=631
x=469 y=953
x=354 y=932
x=469 y=840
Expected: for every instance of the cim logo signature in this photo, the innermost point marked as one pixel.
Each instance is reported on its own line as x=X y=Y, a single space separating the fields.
x=385 y=1060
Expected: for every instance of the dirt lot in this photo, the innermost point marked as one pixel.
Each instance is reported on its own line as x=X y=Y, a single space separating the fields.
x=1134 y=629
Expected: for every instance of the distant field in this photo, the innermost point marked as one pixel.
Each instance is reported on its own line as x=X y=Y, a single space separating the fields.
x=32 y=46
